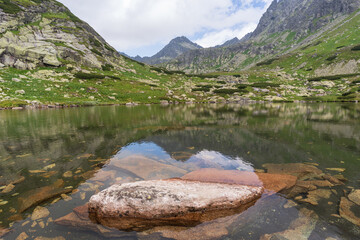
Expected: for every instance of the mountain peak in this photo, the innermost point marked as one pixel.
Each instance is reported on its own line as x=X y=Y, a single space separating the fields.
x=229 y=42
x=173 y=49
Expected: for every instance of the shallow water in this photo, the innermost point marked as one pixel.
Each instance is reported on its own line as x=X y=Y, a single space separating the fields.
x=100 y=146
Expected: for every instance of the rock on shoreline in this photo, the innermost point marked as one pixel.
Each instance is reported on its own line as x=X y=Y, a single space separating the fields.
x=147 y=204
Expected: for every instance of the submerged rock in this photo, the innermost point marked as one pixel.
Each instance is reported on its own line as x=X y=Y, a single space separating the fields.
x=3 y=232
x=22 y=236
x=299 y=229
x=42 y=194
x=299 y=170
x=354 y=196
x=80 y=220
x=147 y=204
x=39 y=212
x=345 y=211
x=8 y=188
x=45 y=238
x=315 y=196
x=271 y=182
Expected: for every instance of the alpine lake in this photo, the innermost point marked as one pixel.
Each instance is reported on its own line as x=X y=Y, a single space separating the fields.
x=53 y=160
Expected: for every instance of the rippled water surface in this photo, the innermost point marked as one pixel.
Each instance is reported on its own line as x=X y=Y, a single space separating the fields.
x=78 y=152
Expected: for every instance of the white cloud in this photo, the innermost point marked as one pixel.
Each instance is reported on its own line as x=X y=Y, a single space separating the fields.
x=214 y=38
x=130 y=24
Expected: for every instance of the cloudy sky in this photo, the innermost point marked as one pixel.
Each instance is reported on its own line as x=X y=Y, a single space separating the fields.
x=143 y=27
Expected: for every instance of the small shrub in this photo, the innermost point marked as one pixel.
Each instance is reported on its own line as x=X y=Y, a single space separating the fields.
x=8 y=7
x=265 y=85
x=266 y=62
x=107 y=67
x=201 y=89
x=82 y=75
x=355 y=82
x=331 y=58
x=96 y=52
x=221 y=82
x=226 y=91
x=347 y=97
x=204 y=86
x=95 y=42
x=242 y=86
x=333 y=77
x=12 y=103
x=356 y=48
x=114 y=77
x=347 y=93
x=109 y=48
x=202 y=76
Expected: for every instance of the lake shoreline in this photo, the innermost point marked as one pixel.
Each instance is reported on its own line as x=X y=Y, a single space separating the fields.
x=130 y=104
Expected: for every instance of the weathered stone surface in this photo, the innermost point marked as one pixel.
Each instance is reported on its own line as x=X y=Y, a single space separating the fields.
x=39 y=195
x=79 y=219
x=146 y=204
x=272 y=182
x=354 y=196
x=51 y=60
x=301 y=187
x=299 y=170
x=299 y=229
x=147 y=168
x=347 y=213
x=39 y=212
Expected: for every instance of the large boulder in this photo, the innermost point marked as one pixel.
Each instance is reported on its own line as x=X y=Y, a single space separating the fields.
x=175 y=202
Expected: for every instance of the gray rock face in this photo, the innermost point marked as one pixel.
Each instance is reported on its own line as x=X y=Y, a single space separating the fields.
x=146 y=204
x=175 y=48
x=48 y=34
x=300 y=16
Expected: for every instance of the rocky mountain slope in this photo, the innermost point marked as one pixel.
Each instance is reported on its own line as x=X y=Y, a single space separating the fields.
x=176 y=47
x=45 y=33
x=48 y=56
x=285 y=26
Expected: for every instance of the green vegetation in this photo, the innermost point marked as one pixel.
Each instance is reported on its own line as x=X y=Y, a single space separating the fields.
x=333 y=77
x=96 y=52
x=82 y=75
x=12 y=103
x=267 y=62
x=226 y=91
x=107 y=67
x=265 y=85
x=203 y=89
x=9 y=7
x=356 y=48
